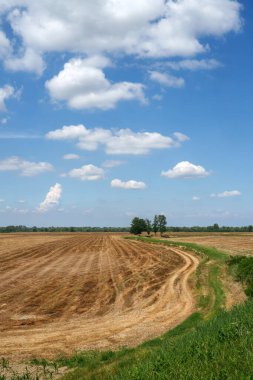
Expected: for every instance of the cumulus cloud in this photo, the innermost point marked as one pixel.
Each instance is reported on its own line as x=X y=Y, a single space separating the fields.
x=82 y=84
x=6 y=93
x=194 y=64
x=185 y=169
x=87 y=173
x=26 y=168
x=195 y=198
x=129 y=185
x=29 y=60
x=52 y=198
x=155 y=28
x=123 y=141
x=71 y=156
x=226 y=194
x=167 y=80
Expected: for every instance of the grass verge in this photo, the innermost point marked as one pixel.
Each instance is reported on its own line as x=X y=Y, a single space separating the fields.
x=241 y=268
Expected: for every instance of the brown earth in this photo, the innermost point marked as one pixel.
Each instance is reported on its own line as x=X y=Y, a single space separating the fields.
x=66 y=292
x=231 y=243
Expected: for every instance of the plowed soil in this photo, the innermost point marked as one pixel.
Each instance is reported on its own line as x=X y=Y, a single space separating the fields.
x=63 y=292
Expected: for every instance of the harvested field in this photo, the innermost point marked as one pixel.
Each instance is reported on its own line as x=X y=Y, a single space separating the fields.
x=231 y=243
x=65 y=292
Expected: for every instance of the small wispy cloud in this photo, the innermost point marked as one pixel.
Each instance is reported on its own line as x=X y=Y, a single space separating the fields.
x=108 y=164
x=129 y=185
x=87 y=173
x=14 y=136
x=71 y=156
x=166 y=80
x=226 y=194
x=6 y=92
x=194 y=64
x=26 y=168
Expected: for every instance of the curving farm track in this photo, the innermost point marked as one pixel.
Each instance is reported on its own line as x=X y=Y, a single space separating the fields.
x=88 y=291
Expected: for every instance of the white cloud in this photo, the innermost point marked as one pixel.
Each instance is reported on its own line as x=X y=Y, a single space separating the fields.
x=2 y=200
x=181 y=137
x=227 y=194
x=154 y=28
x=26 y=168
x=195 y=198
x=6 y=93
x=87 y=173
x=83 y=85
x=129 y=185
x=185 y=169
x=123 y=141
x=126 y=141
x=167 y=79
x=112 y=163
x=52 y=198
x=194 y=64
x=71 y=156
x=30 y=61
x=5 y=46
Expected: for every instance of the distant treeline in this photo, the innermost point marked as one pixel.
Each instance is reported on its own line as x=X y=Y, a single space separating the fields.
x=62 y=229
x=214 y=228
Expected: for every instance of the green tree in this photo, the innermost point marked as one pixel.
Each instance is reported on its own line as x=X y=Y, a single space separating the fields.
x=250 y=228
x=148 y=226
x=138 y=225
x=162 y=222
x=155 y=224
x=216 y=227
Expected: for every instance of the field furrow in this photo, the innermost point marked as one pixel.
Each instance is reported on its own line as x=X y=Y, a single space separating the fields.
x=86 y=291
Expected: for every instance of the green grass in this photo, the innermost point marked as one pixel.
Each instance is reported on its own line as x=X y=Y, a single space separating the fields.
x=221 y=348
x=217 y=349
x=242 y=269
x=100 y=365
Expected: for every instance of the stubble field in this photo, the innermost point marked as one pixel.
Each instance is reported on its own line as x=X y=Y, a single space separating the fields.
x=231 y=243
x=66 y=292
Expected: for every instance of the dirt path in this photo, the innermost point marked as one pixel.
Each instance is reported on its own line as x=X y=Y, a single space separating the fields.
x=90 y=291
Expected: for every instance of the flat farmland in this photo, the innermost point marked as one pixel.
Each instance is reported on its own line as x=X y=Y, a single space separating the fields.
x=231 y=243
x=66 y=292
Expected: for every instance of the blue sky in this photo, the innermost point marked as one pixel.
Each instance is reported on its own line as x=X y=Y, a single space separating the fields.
x=116 y=108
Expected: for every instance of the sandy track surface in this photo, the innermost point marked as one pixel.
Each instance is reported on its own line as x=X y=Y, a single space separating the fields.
x=88 y=291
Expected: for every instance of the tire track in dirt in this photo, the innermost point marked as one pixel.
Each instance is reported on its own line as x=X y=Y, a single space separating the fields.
x=93 y=291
